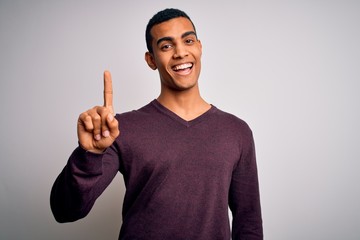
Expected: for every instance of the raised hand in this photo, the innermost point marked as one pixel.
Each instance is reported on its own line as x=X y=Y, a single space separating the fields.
x=97 y=128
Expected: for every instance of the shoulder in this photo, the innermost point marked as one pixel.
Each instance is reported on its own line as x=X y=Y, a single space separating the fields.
x=231 y=121
x=233 y=127
x=137 y=115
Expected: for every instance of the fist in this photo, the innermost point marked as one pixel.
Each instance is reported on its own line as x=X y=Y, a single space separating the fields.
x=97 y=128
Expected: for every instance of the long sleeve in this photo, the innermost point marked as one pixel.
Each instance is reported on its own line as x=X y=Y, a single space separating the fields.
x=193 y=170
x=85 y=176
x=244 y=197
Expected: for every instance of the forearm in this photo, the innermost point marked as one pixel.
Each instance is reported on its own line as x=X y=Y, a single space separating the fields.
x=246 y=209
x=75 y=190
x=244 y=197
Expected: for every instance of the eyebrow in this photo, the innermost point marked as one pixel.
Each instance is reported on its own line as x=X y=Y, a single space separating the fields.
x=184 y=35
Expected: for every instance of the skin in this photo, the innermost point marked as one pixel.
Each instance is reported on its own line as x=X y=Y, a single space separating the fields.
x=97 y=128
x=177 y=57
x=175 y=43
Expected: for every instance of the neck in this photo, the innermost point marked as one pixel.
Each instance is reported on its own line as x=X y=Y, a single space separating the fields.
x=185 y=104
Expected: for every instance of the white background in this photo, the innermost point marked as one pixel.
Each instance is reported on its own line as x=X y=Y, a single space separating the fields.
x=291 y=69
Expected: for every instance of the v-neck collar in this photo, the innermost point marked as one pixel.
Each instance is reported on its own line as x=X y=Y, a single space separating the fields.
x=179 y=119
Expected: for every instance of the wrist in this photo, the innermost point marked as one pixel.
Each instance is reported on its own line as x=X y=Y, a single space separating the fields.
x=92 y=150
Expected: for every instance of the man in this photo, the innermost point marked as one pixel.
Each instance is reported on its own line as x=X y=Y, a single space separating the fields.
x=184 y=161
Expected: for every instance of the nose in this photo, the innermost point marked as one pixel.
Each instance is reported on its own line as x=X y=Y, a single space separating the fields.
x=180 y=51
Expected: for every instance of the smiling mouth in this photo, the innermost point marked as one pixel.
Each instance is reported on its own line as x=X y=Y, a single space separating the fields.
x=183 y=67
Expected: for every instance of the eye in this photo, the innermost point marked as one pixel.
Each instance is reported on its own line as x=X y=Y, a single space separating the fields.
x=189 y=41
x=166 y=47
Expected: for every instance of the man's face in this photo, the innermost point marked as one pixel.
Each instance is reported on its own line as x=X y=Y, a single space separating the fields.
x=176 y=54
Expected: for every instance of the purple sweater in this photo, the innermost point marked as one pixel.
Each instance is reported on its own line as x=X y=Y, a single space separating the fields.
x=180 y=177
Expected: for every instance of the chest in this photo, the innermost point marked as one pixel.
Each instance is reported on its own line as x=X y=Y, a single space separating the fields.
x=198 y=149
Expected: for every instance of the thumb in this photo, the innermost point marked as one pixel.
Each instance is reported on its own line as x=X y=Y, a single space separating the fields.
x=113 y=125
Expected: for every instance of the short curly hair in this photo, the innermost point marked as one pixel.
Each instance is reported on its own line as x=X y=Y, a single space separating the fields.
x=163 y=16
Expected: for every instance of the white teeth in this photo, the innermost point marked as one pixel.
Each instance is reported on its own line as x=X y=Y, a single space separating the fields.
x=182 y=66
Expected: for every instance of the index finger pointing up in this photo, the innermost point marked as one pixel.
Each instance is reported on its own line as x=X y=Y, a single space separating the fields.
x=108 y=91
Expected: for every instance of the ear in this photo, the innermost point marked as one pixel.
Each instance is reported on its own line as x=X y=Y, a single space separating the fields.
x=200 y=45
x=150 y=60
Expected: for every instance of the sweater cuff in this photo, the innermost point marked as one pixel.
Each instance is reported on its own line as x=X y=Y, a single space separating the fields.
x=87 y=162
